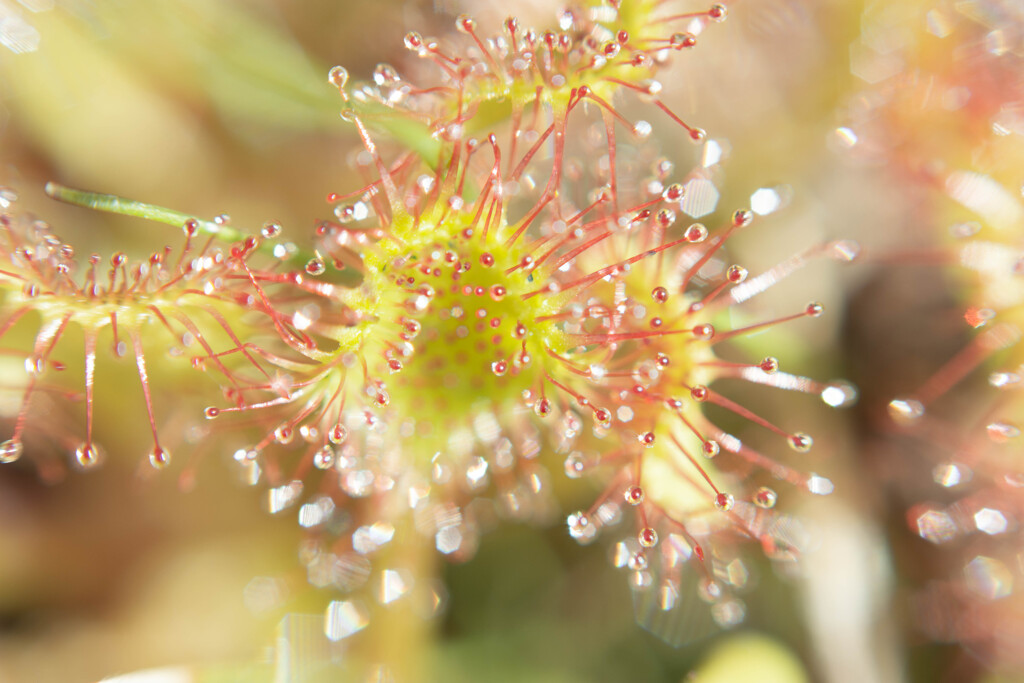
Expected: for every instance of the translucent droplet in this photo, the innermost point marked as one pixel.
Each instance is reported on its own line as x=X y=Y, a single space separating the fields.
x=905 y=410
x=648 y=537
x=542 y=407
x=338 y=76
x=87 y=455
x=839 y=394
x=634 y=495
x=575 y=465
x=765 y=497
x=696 y=233
x=814 y=310
x=271 y=230
x=637 y=562
x=284 y=434
x=705 y=331
x=159 y=457
x=337 y=434
x=950 y=474
x=742 y=218
x=1001 y=432
x=681 y=40
x=724 y=501
x=323 y=459
x=10 y=450
x=642 y=129
x=315 y=266
x=579 y=525
x=800 y=442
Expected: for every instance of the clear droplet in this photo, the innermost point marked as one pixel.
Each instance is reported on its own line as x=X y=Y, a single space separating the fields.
x=724 y=501
x=159 y=457
x=575 y=465
x=338 y=76
x=905 y=409
x=10 y=450
x=87 y=455
x=634 y=495
x=648 y=537
x=765 y=497
x=323 y=459
x=800 y=442
x=315 y=266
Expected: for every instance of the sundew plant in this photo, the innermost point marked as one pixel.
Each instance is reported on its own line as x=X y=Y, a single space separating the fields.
x=521 y=304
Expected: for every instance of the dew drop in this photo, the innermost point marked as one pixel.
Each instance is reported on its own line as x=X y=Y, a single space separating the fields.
x=736 y=274
x=338 y=434
x=659 y=294
x=271 y=230
x=681 y=40
x=718 y=12
x=1001 y=432
x=646 y=439
x=542 y=407
x=87 y=455
x=10 y=450
x=705 y=331
x=315 y=266
x=800 y=442
x=642 y=129
x=486 y=260
x=323 y=459
x=603 y=416
x=579 y=525
x=769 y=365
x=575 y=465
x=765 y=498
x=284 y=434
x=696 y=233
x=499 y=367
x=700 y=393
x=711 y=448
x=673 y=193
x=413 y=40
x=159 y=457
x=498 y=292
x=637 y=562
x=905 y=409
x=634 y=495
x=698 y=134
x=742 y=218
x=814 y=310
x=648 y=537
x=211 y=412
x=724 y=501
x=839 y=394
x=338 y=75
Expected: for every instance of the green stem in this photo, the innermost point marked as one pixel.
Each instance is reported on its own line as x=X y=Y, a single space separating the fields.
x=130 y=207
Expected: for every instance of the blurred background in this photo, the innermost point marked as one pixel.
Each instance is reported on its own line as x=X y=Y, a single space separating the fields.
x=214 y=106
